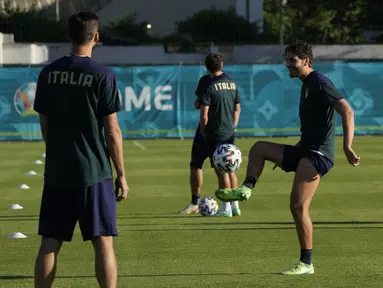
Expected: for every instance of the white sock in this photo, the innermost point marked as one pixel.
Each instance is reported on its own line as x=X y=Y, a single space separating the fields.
x=226 y=206
x=235 y=205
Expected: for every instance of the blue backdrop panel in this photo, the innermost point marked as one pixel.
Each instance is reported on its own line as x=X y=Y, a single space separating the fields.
x=158 y=101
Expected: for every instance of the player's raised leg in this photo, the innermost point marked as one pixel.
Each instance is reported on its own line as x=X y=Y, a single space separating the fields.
x=259 y=153
x=305 y=185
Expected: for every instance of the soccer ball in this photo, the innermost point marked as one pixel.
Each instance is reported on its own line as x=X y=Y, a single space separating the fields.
x=208 y=206
x=227 y=158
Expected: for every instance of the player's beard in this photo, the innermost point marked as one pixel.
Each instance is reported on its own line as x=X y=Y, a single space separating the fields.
x=292 y=73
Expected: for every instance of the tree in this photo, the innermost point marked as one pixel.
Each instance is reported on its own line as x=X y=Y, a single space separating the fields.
x=373 y=13
x=127 y=30
x=40 y=25
x=34 y=25
x=218 y=26
x=321 y=21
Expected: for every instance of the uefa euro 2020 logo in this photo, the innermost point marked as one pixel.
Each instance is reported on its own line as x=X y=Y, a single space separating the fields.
x=25 y=98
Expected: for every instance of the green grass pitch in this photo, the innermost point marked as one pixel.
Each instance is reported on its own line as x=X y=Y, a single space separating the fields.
x=159 y=248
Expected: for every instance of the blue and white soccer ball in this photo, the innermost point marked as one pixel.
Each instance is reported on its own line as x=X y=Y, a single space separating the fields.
x=208 y=207
x=227 y=158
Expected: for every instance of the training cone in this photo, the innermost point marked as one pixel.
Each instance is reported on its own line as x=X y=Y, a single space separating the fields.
x=23 y=186
x=15 y=207
x=32 y=173
x=38 y=162
x=17 y=235
x=44 y=155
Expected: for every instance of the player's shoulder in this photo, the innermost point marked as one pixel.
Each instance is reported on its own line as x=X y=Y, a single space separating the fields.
x=90 y=65
x=204 y=79
x=221 y=78
x=98 y=68
x=53 y=65
x=321 y=79
x=227 y=77
x=207 y=81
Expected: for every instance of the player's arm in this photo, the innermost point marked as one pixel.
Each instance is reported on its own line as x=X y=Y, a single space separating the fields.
x=347 y=115
x=197 y=105
x=199 y=92
x=109 y=106
x=203 y=119
x=237 y=112
x=205 y=100
x=237 y=109
x=113 y=137
x=44 y=127
x=335 y=99
x=40 y=104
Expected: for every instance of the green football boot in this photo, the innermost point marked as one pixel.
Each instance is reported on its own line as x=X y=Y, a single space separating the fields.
x=223 y=213
x=234 y=194
x=300 y=269
x=236 y=211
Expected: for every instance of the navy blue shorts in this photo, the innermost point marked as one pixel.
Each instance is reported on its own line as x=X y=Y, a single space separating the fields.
x=203 y=149
x=94 y=207
x=292 y=155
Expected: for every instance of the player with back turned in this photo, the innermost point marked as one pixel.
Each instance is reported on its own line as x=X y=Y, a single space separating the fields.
x=219 y=104
x=312 y=157
x=77 y=101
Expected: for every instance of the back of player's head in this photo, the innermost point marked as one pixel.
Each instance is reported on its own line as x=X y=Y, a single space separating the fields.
x=82 y=28
x=300 y=49
x=214 y=62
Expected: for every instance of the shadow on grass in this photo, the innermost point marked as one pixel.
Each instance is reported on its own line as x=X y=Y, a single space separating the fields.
x=19 y=218
x=202 y=221
x=20 y=277
x=247 y=228
x=254 y=223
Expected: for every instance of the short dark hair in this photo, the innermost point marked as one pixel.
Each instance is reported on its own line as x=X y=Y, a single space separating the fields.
x=213 y=62
x=300 y=49
x=82 y=27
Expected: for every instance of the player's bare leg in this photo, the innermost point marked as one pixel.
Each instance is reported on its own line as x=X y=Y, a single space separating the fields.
x=224 y=182
x=234 y=184
x=46 y=262
x=196 y=181
x=233 y=180
x=261 y=152
x=305 y=185
x=223 y=179
x=105 y=261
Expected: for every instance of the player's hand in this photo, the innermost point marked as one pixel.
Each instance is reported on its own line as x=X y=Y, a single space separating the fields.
x=197 y=104
x=121 y=184
x=351 y=156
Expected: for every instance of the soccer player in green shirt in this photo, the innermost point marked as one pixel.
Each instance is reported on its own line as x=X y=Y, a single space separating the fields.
x=77 y=101
x=219 y=104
